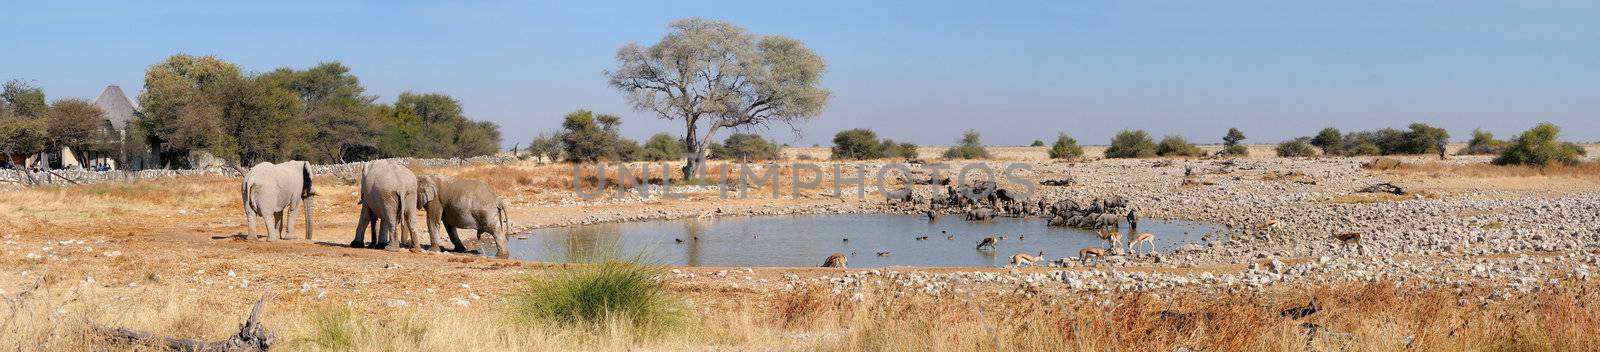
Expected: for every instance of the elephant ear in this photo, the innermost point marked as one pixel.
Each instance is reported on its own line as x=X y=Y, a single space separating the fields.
x=427 y=190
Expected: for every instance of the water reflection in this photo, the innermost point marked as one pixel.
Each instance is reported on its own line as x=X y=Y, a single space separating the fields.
x=804 y=240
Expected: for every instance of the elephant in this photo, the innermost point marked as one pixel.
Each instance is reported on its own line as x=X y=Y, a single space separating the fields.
x=272 y=192
x=459 y=203
x=389 y=202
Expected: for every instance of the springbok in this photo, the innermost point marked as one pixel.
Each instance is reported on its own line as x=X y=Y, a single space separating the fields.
x=1348 y=238
x=1111 y=238
x=1023 y=258
x=1270 y=223
x=836 y=260
x=1146 y=238
x=987 y=242
x=1097 y=252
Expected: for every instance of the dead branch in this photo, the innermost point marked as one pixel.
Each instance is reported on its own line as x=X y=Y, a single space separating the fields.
x=251 y=337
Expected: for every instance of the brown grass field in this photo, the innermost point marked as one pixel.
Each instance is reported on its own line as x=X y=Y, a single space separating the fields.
x=160 y=256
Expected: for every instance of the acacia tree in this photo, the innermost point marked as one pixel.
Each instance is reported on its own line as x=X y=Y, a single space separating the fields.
x=714 y=75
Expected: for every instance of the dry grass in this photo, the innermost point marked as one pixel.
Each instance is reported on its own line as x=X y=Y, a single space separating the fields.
x=1588 y=170
x=1369 y=198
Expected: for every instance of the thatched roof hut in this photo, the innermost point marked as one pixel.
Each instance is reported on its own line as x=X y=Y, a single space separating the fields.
x=118 y=108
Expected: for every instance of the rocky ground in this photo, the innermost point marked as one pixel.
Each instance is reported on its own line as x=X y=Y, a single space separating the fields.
x=1513 y=238
x=1491 y=237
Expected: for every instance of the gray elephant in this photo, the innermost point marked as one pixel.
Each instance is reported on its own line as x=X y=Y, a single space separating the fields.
x=389 y=202
x=273 y=192
x=458 y=203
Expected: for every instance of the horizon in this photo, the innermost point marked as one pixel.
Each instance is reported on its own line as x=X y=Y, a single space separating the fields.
x=1276 y=71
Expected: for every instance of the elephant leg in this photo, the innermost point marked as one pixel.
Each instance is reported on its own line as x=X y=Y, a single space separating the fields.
x=455 y=239
x=361 y=228
x=288 y=223
x=272 y=225
x=385 y=230
x=250 y=223
x=411 y=231
x=433 y=236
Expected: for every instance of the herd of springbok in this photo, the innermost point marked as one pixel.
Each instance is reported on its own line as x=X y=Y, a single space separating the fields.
x=1111 y=237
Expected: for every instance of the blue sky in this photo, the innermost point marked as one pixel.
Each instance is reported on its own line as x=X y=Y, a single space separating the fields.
x=918 y=71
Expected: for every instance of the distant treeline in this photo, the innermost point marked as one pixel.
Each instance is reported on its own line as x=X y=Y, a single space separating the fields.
x=201 y=103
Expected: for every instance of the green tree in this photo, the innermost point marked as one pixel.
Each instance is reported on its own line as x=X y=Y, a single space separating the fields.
x=546 y=146
x=1131 y=144
x=588 y=138
x=1230 y=143
x=1176 y=146
x=21 y=99
x=747 y=147
x=1483 y=143
x=77 y=124
x=968 y=147
x=183 y=103
x=1330 y=141
x=21 y=135
x=856 y=144
x=1065 y=148
x=714 y=75
x=662 y=146
x=1424 y=139
x=891 y=149
x=1540 y=146
x=1298 y=147
x=343 y=124
x=1036 y=143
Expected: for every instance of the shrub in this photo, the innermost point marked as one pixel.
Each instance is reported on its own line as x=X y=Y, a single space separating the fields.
x=1540 y=146
x=746 y=147
x=662 y=146
x=856 y=144
x=628 y=150
x=1483 y=143
x=1065 y=148
x=1176 y=146
x=589 y=138
x=1036 y=143
x=968 y=147
x=1365 y=149
x=595 y=294
x=1297 y=147
x=1423 y=139
x=546 y=146
x=1131 y=144
x=891 y=149
x=1330 y=141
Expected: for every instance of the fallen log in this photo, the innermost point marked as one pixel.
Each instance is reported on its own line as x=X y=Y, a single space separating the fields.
x=250 y=338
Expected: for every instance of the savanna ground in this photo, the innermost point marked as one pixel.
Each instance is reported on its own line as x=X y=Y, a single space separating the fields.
x=161 y=256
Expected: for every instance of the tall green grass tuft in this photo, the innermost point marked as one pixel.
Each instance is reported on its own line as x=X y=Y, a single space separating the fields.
x=334 y=328
x=598 y=295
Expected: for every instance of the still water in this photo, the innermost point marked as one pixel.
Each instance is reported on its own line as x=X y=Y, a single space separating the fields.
x=804 y=240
